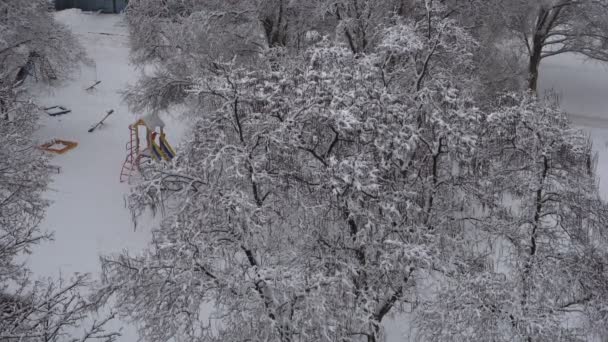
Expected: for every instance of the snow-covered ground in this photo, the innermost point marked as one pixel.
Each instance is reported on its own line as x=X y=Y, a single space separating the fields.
x=582 y=85
x=88 y=214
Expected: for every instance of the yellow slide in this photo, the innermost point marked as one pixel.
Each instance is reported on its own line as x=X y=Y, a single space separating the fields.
x=166 y=149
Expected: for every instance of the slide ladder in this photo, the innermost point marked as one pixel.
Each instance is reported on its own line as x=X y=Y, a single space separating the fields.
x=130 y=161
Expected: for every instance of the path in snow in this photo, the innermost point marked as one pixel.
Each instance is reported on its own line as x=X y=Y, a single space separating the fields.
x=88 y=214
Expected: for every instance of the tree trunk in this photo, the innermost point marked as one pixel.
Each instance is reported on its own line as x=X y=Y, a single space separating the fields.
x=526 y=281
x=275 y=29
x=534 y=62
x=546 y=21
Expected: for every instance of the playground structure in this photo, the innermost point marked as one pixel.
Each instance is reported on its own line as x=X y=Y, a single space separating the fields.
x=156 y=146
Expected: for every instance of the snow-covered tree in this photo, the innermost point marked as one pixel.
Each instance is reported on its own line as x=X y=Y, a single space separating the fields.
x=323 y=189
x=182 y=38
x=499 y=59
x=516 y=35
x=360 y=22
x=550 y=27
x=309 y=195
x=539 y=241
x=33 y=44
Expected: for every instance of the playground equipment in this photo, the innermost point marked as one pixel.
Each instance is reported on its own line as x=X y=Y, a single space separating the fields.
x=94 y=127
x=58 y=146
x=92 y=86
x=156 y=146
x=57 y=110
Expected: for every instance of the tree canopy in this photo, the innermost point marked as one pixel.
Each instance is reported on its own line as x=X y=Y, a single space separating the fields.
x=348 y=164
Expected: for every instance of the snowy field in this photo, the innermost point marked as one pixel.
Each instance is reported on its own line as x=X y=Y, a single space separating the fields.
x=88 y=213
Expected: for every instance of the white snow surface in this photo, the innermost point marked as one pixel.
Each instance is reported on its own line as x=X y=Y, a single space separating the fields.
x=88 y=214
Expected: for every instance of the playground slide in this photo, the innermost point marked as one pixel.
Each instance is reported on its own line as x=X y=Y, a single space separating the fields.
x=157 y=153
x=164 y=151
x=166 y=148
